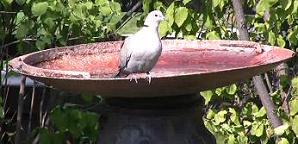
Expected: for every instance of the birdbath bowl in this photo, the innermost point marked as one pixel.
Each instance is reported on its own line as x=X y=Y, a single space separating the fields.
x=144 y=113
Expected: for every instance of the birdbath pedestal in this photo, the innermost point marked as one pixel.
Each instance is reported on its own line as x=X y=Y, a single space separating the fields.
x=166 y=111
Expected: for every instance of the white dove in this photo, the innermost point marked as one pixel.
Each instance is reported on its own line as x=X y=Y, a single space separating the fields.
x=140 y=52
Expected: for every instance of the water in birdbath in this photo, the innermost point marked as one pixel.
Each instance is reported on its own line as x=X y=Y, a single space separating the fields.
x=186 y=60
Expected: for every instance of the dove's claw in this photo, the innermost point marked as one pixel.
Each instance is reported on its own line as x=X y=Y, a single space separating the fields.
x=133 y=77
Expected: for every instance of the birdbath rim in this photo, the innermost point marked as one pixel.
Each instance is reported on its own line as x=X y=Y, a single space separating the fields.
x=180 y=53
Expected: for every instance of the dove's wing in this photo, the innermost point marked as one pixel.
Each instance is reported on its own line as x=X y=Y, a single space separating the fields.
x=125 y=53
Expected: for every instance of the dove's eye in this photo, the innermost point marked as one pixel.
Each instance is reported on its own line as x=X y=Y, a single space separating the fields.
x=155 y=15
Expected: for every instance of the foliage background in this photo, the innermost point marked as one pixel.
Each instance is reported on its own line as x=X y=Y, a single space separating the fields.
x=234 y=114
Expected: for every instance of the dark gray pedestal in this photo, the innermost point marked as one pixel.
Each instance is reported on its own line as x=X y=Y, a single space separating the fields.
x=168 y=120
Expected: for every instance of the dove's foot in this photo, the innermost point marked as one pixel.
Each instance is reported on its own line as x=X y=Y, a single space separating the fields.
x=136 y=76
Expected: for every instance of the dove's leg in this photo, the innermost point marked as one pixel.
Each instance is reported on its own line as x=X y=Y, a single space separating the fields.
x=148 y=76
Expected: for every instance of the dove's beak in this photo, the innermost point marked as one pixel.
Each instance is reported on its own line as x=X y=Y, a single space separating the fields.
x=163 y=18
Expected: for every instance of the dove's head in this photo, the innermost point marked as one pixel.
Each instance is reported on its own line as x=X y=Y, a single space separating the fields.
x=154 y=18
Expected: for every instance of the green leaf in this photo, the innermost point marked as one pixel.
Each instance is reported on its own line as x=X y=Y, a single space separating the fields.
x=280 y=41
x=294 y=107
x=181 y=14
x=20 y=2
x=163 y=28
x=101 y=2
x=50 y=22
x=232 y=89
x=271 y=38
x=146 y=6
x=257 y=129
x=234 y=116
x=219 y=91
x=293 y=36
x=210 y=114
x=260 y=113
x=6 y=2
x=283 y=141
x=40 y=44
x=170 y=14
x=116 y=7
x=189 y=37
x=220 y=117
x=106 y=10
x=264 y=5
x=213 y=35
x=216 y=3
x=231 y=139
x=286 y=4
x=281 y=129
x=23 y=29
x=294 y=84
x=207 y=95
x=247 y=123
x=242 y=138
x=186 y=1
x=89 y=5
x=208 y=23
x=39 y=8
x=294 y=123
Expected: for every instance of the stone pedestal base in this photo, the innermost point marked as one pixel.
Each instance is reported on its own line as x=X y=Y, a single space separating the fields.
x=167 y=120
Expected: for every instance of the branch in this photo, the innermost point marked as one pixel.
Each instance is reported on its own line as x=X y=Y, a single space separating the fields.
x=258 y=81
x=15 y=42
x=31 y=107
x=20 y=110
x=127 y=16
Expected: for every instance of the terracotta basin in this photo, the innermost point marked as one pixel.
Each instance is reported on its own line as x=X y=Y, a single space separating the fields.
x=185 y=67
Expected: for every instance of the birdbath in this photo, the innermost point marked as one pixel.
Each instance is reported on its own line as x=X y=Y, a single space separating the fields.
x=166 y=111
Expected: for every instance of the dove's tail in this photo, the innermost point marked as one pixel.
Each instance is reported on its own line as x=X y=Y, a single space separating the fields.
x=120 y=74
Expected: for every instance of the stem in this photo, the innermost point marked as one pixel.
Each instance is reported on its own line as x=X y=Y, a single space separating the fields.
x=41 y=106
x=268 y=83
x=258 y=81
x=20 y=110
x=31 y=107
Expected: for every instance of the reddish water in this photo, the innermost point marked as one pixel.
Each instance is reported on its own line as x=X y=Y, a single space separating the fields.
x=171 y=62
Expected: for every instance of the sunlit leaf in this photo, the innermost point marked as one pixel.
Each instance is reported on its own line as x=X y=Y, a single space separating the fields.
x=207 y=95
x=213 y=35
x=294 y=123
x=261 y=112
x=163 y=28
x=39 y=8
x=220 y=117
x=181 y=14
x=283 y=141
x=234 y=116
x=189 y=37
x=231 y=139
x=232 y=89
x=264 y=5
x=271 y=38
x=257 y=129
x=281 y=129
x=170 y=14
x=293 y=36
x=280 y=41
